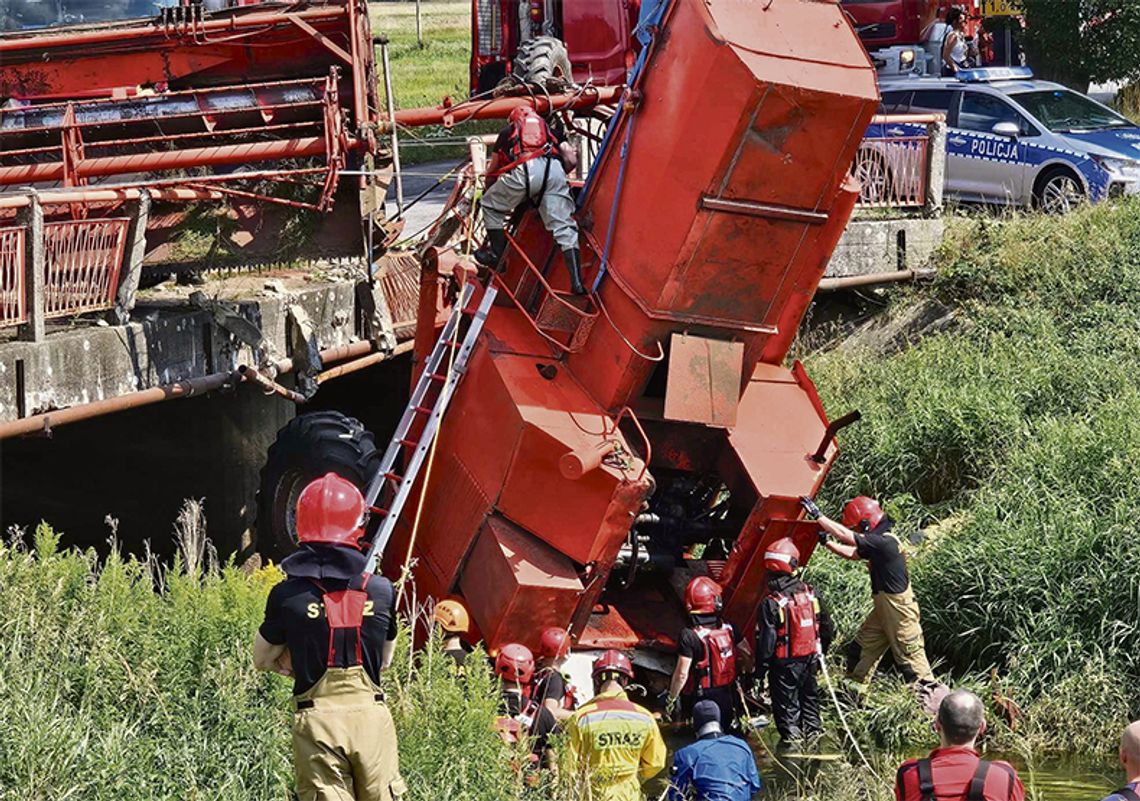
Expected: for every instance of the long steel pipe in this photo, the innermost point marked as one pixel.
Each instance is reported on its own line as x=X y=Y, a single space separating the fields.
x=874 y=279
x=503 y=106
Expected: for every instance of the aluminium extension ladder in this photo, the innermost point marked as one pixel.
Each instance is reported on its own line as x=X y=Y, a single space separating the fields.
x=425 y=410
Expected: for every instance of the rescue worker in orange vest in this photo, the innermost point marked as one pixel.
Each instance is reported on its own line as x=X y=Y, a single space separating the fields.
x=955 y=771
x=522 y=715
x=454 y=622
x=530 y=163
x=895 y=620
x=332 y=628
x=613 y=745
x=793 y=632
x=551 y=687
x=706 y=657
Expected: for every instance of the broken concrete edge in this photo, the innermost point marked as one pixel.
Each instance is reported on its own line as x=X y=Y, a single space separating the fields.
x=870 y=247
x=159 y=347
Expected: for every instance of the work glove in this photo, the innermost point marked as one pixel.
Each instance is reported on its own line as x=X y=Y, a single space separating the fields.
x=809 y=506
x=668 y=705
x=823 y=536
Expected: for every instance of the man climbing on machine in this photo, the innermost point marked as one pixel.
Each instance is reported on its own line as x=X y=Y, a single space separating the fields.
x=530 y=164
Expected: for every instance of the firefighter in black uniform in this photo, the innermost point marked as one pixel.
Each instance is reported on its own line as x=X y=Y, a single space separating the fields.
x=706 y=656
x=332 y=628
x=793 y=631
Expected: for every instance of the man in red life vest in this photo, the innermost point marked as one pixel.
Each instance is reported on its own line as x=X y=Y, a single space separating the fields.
x=955 y=771
x=551 y=688
x=529 y=163
x=706 y=656
x=793 y=632
x=332 y=628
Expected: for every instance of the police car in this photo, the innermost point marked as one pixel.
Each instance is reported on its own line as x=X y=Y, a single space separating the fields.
x=1011 y=139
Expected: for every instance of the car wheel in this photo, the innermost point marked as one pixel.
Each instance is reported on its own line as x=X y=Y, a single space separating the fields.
x=874 y=176
x=1058 y=192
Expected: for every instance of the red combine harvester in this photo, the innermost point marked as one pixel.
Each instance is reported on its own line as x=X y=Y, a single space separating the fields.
x=600 y=451
x=189 y=104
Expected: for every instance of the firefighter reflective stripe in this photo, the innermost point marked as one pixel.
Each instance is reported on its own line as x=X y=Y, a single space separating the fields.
x=717 y=668
x=797 y=633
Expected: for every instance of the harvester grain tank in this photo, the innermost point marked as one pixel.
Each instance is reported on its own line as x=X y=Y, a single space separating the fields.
x=595 y=448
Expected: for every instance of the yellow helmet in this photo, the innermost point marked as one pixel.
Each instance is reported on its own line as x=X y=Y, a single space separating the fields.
x=451 y=617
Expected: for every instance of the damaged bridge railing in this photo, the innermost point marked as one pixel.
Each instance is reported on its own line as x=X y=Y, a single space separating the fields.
x=901 y=162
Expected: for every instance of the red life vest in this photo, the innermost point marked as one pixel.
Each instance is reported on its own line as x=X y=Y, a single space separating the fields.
x=797 y=634
x=529 y=138
x=717 y=667
x=344 y=610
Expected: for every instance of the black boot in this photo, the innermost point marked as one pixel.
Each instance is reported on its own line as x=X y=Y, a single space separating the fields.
x=574 y=265
x=493 y=248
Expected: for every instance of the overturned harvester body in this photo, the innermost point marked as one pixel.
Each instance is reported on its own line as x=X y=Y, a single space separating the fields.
x=599 y=452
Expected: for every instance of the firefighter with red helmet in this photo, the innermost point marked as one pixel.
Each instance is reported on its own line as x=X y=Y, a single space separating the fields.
x=332 y=628
x=793 y=632
x=706 y=656
x=552 y=688
x=613 y=744
x=522 y=714
x=530 y=164
x=894 y=622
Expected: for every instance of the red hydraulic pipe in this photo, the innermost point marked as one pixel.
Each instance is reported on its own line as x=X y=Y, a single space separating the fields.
x=168 y=160
x=503 y=106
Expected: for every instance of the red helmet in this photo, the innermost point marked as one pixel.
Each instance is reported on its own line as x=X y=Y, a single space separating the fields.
x=610 y=662
x=862 y=513
x=515 y=664
x=782 y=556
x=331 y=511
x=554 y=643
x=702 y=596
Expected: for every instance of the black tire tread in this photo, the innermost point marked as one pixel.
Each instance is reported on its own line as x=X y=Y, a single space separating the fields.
x=537 y=61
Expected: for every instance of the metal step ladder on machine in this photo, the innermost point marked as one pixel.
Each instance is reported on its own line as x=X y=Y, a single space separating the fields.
x=422 y=417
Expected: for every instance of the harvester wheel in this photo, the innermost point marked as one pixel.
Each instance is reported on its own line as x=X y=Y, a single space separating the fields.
x=309 y=446
x=542 y=61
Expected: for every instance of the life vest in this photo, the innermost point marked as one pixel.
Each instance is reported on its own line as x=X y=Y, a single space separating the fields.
x=344 y=611
x=717 y=668
x=529 y=138
x=797 y=632
x=568 y=700
x=975 y=791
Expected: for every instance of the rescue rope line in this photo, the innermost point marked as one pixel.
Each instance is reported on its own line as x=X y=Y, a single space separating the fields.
x=842 y=716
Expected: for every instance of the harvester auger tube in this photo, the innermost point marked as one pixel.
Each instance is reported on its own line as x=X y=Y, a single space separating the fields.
x=833 y=428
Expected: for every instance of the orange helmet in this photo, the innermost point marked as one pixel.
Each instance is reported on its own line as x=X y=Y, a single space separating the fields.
x=451 y=617
x=610 y=664
x=330 y=511
x=702 y=596
x=554 y=643
x=515 y=664
x=782 y=556
x=862 y=513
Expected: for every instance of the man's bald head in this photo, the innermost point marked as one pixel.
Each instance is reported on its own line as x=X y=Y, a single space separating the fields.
x=960 y=717
x=1130 y=747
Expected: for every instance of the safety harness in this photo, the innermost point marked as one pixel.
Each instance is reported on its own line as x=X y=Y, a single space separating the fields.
x=974 y=792
x=568 y=700
x=717 y=667
x=344 y=610
x=797 y=631
x=529 y=139
x=1128 y=794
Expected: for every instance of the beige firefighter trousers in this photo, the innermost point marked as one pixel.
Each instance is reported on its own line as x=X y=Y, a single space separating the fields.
x=344 y=745
x=894 y=623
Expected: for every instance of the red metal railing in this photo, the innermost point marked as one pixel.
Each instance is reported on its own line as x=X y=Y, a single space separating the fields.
x=82 y=259
x=13 y=309
x=893 y=161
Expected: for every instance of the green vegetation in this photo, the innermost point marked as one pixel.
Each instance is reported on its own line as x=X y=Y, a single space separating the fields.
x=1013 y=439
x=423 y=76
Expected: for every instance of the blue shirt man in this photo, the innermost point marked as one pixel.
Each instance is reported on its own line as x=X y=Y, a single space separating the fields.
x=1130 y=761
x=717 y=767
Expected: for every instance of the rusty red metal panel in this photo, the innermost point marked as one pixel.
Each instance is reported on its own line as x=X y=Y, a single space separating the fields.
x=82 y=261
x=12 y=298
x=703 y=385
x=516 y=585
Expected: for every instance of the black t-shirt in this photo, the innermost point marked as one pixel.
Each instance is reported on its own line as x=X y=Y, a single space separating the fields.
x=295 y=617
x=544 y=723
x=883 y=552
x=550 y=683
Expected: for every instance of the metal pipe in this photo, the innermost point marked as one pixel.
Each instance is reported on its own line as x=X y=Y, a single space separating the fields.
x=833 y=428
x=874 y=279
x=576 y=463
x=364 y=362
x=392 y=115
x=270 y=386
x=107 y=196
x=167 y=160
x=503 y=106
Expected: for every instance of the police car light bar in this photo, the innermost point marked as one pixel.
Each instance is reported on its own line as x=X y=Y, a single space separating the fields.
x=984 y=74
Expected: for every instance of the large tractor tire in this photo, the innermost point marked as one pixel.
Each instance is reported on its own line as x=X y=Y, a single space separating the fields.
x=309 y=446
x=542 y=61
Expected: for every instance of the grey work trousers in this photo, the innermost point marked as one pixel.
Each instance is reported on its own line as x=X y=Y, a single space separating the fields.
x=555 y=205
